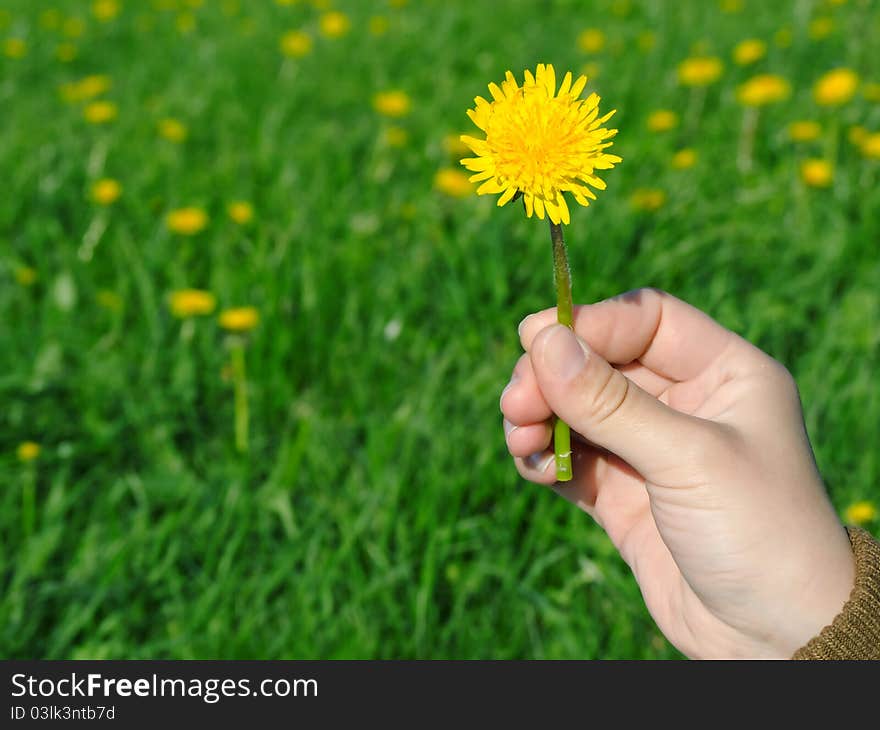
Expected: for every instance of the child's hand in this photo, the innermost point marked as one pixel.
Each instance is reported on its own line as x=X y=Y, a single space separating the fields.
x=695 y=461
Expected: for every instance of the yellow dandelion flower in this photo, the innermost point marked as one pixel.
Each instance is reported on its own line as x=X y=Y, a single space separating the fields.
x=285 y=3
x=856 y=135
x=646 y=41
x=105 y=10
x=106 y=191
x=109 y=300
x=662 y=120
x=454 y=146
x=187 y=221
x=240 y=211
x=647 y=199
x=782 y=37
x=591 y=70
x=860 y=513
x=453 y=182
x=14 y=48
x=871 y=91
x=398 y=3
x=185 y=23
x=86 y=88
x=762 y=90
x=100 y=112
x=731 y=6
x=700 y=70
x=804 y=131
x=817 y=173
x=748 y=51
x=239 y=319
x=591 y=40
x=73 y=27
x=821 y=27
x=378 y=25
x=392 y=103
x=25 y=275
x=172 y=129
x=684 y=159
x=66 y=52
x=335 y=24
x=296 y=44
x=541 y=142
x=870 y=146
x=191 y=303
x=396 y=137
x=836 y=87
x=28 y=451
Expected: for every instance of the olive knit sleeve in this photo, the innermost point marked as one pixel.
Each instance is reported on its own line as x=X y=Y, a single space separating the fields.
x=855 y=631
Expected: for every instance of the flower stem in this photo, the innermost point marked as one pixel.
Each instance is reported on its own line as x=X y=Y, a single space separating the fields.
x=747 y=139
x=565 y=316
x=29 y=502
x=239 y=379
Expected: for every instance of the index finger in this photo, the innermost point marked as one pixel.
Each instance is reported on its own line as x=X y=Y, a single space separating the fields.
x=665 y=334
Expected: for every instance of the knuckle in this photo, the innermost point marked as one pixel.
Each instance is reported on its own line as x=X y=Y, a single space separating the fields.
x=608 y=396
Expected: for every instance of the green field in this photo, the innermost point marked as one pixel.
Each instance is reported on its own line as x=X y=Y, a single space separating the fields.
x=375 y=512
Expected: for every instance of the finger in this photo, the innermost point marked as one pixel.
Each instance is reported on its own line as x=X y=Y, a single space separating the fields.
x=526 y=440
x=521 y=401
x=539 y=467
x=610 y=410
x=667 y=335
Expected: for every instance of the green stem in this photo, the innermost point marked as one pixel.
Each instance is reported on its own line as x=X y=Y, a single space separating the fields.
x=747 y=139
x=29 y=502
x=239 y=379
x=565 y=316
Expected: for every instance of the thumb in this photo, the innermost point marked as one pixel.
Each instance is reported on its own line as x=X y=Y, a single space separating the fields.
x=608 y=409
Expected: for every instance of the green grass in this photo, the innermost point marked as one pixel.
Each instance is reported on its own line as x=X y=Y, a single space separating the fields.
x=377 y=513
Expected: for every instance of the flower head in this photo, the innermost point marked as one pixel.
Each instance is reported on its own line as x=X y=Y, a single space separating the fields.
x=662 y=120
x=541 y=142
x=836 y=87
x=748 y=51
x=191 y=303
x=105 y=10
x=172 y=129
x=106 y=191
x=647 y=199
x=240 y=211
x=821 y=27
x=592 y=40
x=870 y=145
x=25 y=275
x=683 y=159
x=28 y=451
x=762 y=90
x=100 y=112
x=393 y=103
x=804 y=130
x=453 y=182
x=860 y=513
x=817 y=173
x=700 y=70
x=187 y=221
x=296 y=43
x=14 y=48
x=239 y=319
x=335 y=24
x=87 y=87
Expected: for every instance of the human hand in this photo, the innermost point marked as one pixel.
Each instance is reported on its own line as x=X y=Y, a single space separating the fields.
x=689 y=450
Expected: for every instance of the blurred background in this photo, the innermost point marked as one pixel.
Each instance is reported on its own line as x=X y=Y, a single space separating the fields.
x=256 y=322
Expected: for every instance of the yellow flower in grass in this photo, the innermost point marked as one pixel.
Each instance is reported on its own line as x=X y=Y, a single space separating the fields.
x=66 y=52
x=86 y=88
x=662 y=120
x=172 y=129
x=871 y=91
x=73 y=27
x=14 y=48
x=731 y=6
x=454 y=146
x=105 y=10
x=647 y=199
x=860 y=513
x=396 y=137
x=191 y=303
x=817 y=173
x=453 y=182
x=870 y=146
x=240 y=211
x=100 y=112
x=187 y=221
x=239 y=319
x=762 y=90
x=591 y=40
x=27 y=451
x=392 y=103
x=856 y=135
x=700 y=70
x=106 y=191
x=821 y=27
x=748 y=51
x=25 y=275
x=836 y=87
x=378 y=25
x=541 y=142
x=804 y=130
x=110 y=300
x=335 y=24
x=684 y=159
x=296 y=44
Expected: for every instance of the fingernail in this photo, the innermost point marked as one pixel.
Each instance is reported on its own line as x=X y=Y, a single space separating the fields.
x=540 y=461
x=513 y=380
x=525 y=319
x=563 y=354
x=509 y=428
